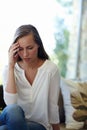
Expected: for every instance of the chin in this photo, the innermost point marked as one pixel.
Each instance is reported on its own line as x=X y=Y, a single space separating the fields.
x=26 y=59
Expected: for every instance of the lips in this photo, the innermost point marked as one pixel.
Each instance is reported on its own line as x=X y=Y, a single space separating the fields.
x=26 y=58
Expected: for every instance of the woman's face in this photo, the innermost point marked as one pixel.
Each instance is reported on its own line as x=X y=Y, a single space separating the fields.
x=28 y=49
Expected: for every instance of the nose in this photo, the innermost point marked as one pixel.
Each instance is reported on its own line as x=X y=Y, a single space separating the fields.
x=25 y=53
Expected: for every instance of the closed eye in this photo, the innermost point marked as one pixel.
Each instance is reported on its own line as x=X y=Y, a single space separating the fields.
x=30 y=48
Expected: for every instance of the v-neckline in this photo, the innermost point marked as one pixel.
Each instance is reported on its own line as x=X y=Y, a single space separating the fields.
x=20 y=69
x=30 y=84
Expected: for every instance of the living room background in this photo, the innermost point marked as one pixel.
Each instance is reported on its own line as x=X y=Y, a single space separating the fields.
x=61 y=27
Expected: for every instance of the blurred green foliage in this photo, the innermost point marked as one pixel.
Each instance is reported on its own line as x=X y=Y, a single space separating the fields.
x=61 y=51
x=62 y=39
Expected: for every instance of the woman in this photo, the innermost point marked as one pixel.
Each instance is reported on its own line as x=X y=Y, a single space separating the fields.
x=31 y=85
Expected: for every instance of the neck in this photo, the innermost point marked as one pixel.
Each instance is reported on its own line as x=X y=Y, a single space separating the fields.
x=33 y=65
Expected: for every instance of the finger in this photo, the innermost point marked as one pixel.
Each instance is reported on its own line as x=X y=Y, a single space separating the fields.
x=16 y=55
x=15 y=51
x=14 y=47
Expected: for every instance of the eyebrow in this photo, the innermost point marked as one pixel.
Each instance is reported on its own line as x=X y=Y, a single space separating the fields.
x=26 y=46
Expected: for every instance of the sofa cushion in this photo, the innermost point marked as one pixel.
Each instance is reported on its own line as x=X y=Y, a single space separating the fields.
x=75 y=103
x=62 y=127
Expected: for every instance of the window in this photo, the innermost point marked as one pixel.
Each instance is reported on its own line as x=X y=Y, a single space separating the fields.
x=17 y=12
x=53 y=19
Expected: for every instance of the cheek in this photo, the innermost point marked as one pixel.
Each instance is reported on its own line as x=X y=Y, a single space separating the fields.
x=20 y=53
x=34 y=52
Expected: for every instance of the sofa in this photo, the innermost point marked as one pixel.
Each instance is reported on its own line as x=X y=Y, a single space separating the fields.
x=62 y=114
x=61 y=109
x=2 y=103
x=73 y=104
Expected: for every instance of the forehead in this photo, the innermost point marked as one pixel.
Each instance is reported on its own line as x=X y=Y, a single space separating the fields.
x=29 y=39
x=25 y=38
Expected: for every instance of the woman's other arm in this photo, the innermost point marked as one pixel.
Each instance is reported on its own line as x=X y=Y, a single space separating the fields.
x=53 y=99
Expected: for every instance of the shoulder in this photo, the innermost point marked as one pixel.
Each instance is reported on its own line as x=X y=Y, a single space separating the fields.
x=51 y=66
x=4 y=73
x=5 y=69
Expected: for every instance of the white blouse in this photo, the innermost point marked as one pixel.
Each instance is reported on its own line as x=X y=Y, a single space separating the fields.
x=39 y=100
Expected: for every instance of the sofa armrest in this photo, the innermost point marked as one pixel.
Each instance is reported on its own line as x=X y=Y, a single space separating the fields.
x=61 y=108
x=2 y=103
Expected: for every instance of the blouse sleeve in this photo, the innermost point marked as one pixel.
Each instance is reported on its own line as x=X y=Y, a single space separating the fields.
x=53 y=97
x=9 y=98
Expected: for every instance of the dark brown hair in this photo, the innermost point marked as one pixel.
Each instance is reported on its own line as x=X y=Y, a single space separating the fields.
x=25 y=30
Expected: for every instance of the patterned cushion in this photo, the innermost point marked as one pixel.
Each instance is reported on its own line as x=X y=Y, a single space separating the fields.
x=75 y=103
